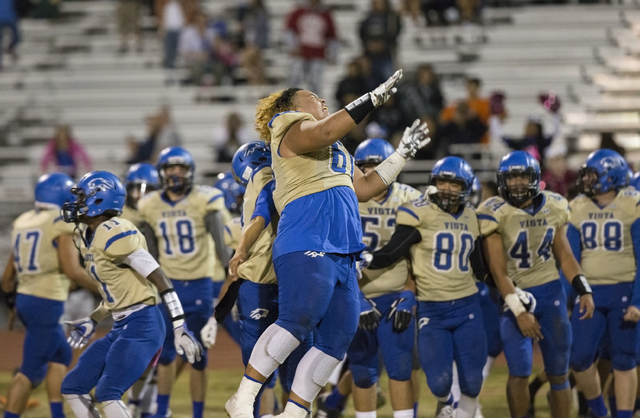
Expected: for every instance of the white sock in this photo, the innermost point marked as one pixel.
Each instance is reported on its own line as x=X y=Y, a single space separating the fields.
x=466 y=407
x=248 y=389
x=115 y=409
x=446 y=400
x=293 y=410
x=405 y=413
x=370 y=414
x=82 y=406
x=455 y=384
x=487 y=368
x=266 y=416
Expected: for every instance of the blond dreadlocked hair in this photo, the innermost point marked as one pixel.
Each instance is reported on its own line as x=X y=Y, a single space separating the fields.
x=270 y=106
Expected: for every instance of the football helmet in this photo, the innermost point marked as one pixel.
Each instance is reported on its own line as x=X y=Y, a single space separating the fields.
x=606 y=169
x=233 y=192
x=518 y=164
x=141 y=178
x=53 y=190
x=635 y=181
x=97 y=193
x=475 y=196
x=172 y=156
x=456 y=170
x=249 y=157
x=372 y=152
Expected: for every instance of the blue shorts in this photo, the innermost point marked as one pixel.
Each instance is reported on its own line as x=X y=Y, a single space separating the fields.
x=396 y=348
x=551 y=313
x=196 y=297
x=319 y=290
x=44 y=341
x=113 y=363
x=611 y=303
x=231 y=323
x=491 y=318
x=452 y=331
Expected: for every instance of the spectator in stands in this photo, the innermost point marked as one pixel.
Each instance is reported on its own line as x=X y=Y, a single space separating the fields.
x=421 y=97
x=9 y=20
x=196 y=47
x=607 y=141
x=379 y=35
x=225 y=59
x=556 y=175
x=128 y=15
x=255 y=39
x=64 y=154
x=353 y=85
x=534 y=141
x=464 y=127
x=171 y=22
x=311 y=39
x=146 y=151
x=479 y=105
x=168 y=135
x=227 y=139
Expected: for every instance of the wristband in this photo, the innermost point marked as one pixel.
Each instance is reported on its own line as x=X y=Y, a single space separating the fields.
x=173 y=305
x=389 y=169
x=513 y=302
x=580 y=285
x=360 y=108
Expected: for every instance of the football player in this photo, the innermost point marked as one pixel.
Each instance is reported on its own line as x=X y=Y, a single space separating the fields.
x=232 y=190
x=438 y=235
x=115 y=255
x=42 y=262
x=316 y=194
x=524 y=234
x=141 y=179
x=184 y=223
x=605 y=237
x=381 y=291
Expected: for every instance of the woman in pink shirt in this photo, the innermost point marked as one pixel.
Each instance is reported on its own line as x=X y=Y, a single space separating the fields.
x=65 y=154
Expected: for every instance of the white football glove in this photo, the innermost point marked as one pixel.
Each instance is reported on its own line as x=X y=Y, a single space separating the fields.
x=413 y=139
x=82 y=331
x=186 y=344
x=209 y=333
x=527 y=299
x=385 y=90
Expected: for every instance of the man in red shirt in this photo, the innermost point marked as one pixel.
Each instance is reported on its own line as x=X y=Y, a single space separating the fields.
x=311 y=40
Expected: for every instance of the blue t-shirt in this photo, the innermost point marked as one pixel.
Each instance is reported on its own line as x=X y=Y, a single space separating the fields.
x=326 y=221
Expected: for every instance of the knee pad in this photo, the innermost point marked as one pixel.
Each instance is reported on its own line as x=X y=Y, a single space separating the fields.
x=202 y=363
x=104 y=393
x=272 y=349
x=313 y=373
x=441 y=386
x=471 y=387
x=401 y=367
x=363 y=376
x=115 y=409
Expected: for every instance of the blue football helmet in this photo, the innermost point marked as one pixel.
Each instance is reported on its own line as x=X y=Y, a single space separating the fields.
x=141 y=178
x=635 y=181
x=607 y=171
x=518 y=164
x=53 y=190
x=372 y=152
x=176 y=156
x=97 y=193
x=249 y=157
x=456 y=170
x=233 y=192
x=476 y=192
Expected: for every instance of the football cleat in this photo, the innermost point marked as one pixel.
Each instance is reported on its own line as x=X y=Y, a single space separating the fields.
x=323 y=410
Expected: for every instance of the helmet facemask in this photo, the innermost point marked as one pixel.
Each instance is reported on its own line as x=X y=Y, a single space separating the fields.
x=518 y=194
x=449 y=200
x=135 y=192
x=176 y=183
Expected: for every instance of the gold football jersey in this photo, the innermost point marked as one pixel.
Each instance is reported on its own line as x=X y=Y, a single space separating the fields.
x=120 y=286
x=527 y=237
x=132 y=215
x=310 y=173
x=35 y=254
x=378 y=223
x=233 y=233
x=259 y=265
x=605 y=233
x=440 y=262
x=186 y=249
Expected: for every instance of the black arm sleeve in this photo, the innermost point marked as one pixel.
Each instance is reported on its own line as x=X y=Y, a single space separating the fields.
x=479 y=266
x=152 y=241
x=398 y=247
x=215 y=227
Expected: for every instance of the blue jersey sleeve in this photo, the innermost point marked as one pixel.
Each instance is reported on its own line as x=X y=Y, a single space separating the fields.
x=635 y=237
x=264 y=204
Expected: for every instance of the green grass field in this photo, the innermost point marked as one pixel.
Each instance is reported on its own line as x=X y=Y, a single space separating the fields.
x=222 y=383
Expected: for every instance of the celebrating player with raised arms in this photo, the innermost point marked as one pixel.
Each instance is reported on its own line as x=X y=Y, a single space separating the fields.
x=319 y=236
x=185 y=224
x=141 y=179
x=524 y=234
x=43 y=260
x=382 y=290
x=438 y=234
x=115 y=255
x=605 y=237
